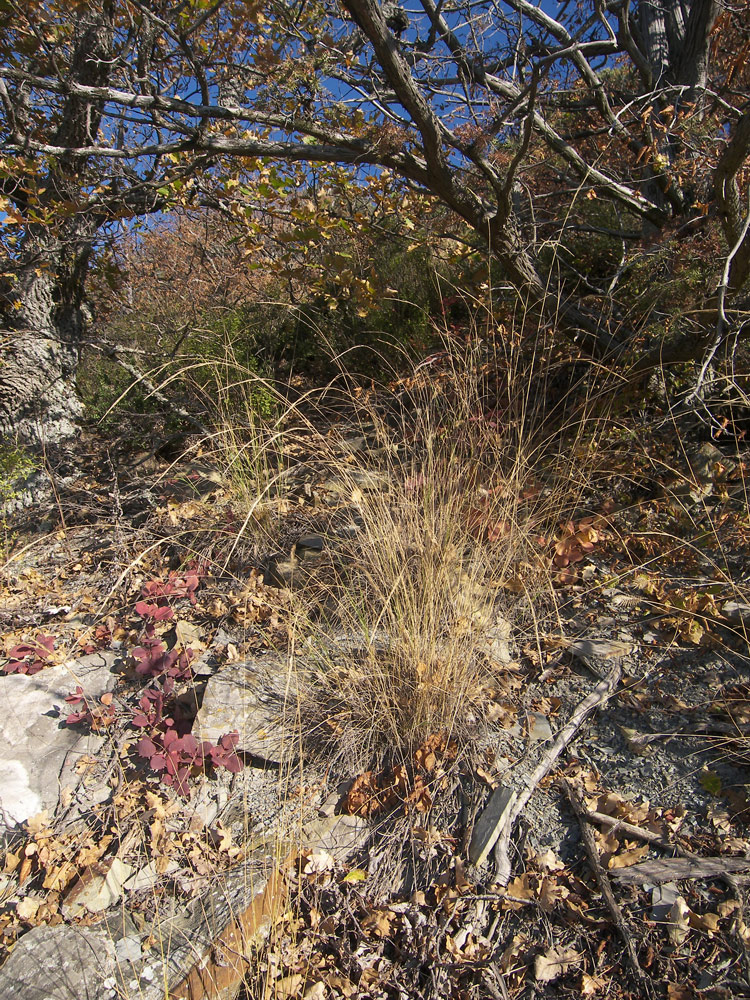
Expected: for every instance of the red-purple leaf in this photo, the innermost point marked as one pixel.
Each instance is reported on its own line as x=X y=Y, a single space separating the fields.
x=153 y=611
x=189 y=744
x=146 y=747
x=232 y=763
x=73 y=699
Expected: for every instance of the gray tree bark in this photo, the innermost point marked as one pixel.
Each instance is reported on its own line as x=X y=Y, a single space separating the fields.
x=39 y=354
x=42 y=316
x=674 y=38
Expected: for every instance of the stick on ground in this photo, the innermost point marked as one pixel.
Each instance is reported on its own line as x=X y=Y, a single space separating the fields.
x=598 y=697
x=603 y=882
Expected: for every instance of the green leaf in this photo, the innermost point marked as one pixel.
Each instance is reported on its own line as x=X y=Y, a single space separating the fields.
x=711 y=782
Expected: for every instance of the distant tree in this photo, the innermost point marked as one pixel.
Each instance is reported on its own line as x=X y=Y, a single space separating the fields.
x=115 y=109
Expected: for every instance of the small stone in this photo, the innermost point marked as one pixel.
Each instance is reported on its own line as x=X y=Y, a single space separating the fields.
x=663 y=898
x=150 y=875
x=540 y=730
x=202 y=808
x=489 y=824
x=736 y=613
x=340 y=836
x=258 y=700
x=128 y=949
x=312 y=542
x=281 y=573
x=369 y=479
x=704 y=462
x=494 y=642
x=96 y=892
x=600 y=655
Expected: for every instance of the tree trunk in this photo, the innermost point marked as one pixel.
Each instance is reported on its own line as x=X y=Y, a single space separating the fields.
x=675 y=38
x=42 y=316
x=39 y=354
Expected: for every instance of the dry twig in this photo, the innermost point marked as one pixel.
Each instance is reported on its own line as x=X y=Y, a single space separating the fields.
x=598 y=697
x=604 y=885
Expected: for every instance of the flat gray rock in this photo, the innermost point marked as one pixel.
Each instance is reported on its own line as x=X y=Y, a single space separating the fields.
x=59 y=963
x=340 y=836
x=257 y=699
x=540 y=730
x=736 y=612
x=489 y=824
x=38 y=752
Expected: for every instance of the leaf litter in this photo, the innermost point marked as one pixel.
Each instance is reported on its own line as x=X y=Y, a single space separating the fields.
x=440 y=928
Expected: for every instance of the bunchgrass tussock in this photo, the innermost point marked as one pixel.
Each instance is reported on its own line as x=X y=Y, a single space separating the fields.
x=442 y=562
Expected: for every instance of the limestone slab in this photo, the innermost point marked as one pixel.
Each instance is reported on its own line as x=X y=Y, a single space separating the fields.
x=38 y=752
x=58 y=963
x=257 y=699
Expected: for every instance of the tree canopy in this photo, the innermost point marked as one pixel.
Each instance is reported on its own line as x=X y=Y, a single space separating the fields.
x=532 y=125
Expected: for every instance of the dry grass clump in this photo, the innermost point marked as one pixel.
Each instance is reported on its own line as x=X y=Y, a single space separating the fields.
x=445 y=560
x=450 y=504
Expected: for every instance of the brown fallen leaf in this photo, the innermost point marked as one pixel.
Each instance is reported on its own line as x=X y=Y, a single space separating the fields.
x=27 y=908
x=288 y=986
x=518 y=890
x=378 y=922
x=550 y=894
x=555 y=962
x=707 y=923
x=624 y=859
x=677 y=992
x=592 y=984
x=12 y=861
x=61 y=876
x=678 y=921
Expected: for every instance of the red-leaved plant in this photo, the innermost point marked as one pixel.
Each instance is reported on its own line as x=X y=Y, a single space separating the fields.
x=95 y=716
x=177 y=585
x=30 y=657
x=153 y=711
x=101 y=639
x=175 y=757
x=154 y=612
x=153 y=659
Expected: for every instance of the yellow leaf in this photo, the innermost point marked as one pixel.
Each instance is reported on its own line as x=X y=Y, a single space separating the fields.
x=627 y=858
x=355 y=875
